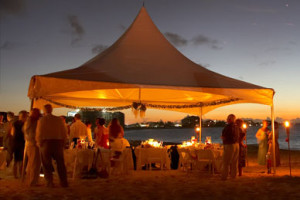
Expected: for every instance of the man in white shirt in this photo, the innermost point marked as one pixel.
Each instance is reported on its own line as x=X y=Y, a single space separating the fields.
x=78 y=130
x=50 y=136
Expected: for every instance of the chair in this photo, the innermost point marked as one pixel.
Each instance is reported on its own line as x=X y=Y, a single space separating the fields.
x=117 y=159
x=103 y=160
x=207 y=157
x=186 y=160
x=154 y=155
x=83 y=159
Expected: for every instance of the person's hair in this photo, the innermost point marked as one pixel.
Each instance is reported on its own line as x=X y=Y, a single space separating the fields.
x=23 y=115
x=77 y=116
x=88 y=123
x=276 y=125
x=114 y=128
x=48 y=108
x=10 y=115
x=239 y=122
x=101 y=121
x=35 y=111
x=64 y=117
x=231 y=118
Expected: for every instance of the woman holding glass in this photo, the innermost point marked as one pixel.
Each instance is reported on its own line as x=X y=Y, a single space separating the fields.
x=262 y=140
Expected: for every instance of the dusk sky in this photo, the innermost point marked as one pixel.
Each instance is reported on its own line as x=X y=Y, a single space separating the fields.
x=256 y=41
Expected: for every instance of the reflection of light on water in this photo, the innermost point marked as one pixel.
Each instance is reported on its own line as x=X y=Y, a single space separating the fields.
x=179 y=135
x=42 y=175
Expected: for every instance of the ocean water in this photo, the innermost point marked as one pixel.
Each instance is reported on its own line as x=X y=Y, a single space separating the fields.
x=179 y=135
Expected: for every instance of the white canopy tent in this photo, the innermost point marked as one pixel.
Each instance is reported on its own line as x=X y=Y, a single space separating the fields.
x=143 y=67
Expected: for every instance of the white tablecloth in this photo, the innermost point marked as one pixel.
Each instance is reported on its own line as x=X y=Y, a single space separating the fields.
x=143 y=153
x=194 y=152
x=84 y=159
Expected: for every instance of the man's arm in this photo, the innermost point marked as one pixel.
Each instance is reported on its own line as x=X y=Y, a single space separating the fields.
x=38 y=134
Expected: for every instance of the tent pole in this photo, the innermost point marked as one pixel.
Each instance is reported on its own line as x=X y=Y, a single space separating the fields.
x=200 y=125
x=140 y=94
x=31 y=104
x=273 y=137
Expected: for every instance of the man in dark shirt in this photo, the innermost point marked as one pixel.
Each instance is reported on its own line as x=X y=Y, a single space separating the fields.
x=230 y=135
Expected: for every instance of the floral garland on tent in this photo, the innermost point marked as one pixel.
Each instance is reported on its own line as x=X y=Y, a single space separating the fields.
x=140 y=108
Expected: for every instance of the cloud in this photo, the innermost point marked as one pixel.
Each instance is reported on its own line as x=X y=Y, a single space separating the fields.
x=267 y=63
x=9 y=45
x=176 y=39
x=11 y=7
x=179 y=41
x=205 y=65
x=292 y=42
x=290 y=24
x=99 y=48
x=204 y=40
x=77 y=29
x=257 y=9
x=122 y=27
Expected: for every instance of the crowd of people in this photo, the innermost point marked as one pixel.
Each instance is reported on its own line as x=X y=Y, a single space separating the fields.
x=234 y=156
x=44 y=137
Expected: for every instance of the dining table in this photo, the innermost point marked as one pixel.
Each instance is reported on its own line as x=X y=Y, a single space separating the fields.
x=80 y=160
x=144 y=153
x=195 y=152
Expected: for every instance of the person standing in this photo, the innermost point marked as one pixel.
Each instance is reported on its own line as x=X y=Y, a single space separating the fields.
x=51 y=135
x=2 y=129
x=78 y=130
x=230 y=136
x=101 y=133
x=270 y=141
x=242 y=146
x=262 y=139
x=88 y=125
x=8 y=140
x=19 y=143
x=32 y=150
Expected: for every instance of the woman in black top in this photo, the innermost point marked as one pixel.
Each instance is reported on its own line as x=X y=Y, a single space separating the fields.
x=19 y=142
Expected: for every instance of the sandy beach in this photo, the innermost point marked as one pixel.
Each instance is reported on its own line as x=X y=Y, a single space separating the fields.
x=171 y=184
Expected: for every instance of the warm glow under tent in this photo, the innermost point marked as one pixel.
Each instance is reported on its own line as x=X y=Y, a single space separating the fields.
x=143 y=67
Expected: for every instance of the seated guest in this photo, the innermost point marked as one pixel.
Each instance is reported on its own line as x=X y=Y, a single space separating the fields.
x=32 y=150
x=115 y=130
x=101 y=134
x=77 y=130
x=119 y=144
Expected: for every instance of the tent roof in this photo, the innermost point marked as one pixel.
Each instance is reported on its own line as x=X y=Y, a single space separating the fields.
x=143 y=58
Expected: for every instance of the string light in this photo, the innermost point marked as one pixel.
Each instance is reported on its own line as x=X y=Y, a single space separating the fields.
x=144 y=106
